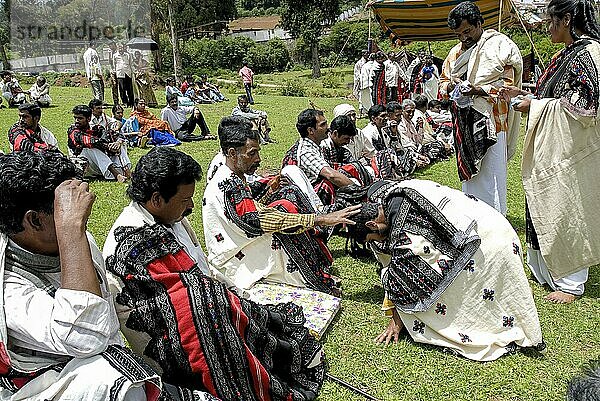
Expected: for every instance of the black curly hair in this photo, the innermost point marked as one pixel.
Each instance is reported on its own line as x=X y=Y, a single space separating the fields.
x=162 y=170
x=27 y=182
x=466 y=10
x=586 y=387
x=234 y=132
x=344 y=126
x=583 y=16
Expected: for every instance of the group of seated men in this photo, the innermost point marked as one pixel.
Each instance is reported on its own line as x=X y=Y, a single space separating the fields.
x=184 y=314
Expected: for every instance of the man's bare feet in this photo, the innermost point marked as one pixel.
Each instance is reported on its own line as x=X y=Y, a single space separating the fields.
x=559 y=297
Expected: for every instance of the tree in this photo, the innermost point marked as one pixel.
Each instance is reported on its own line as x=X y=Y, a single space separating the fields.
x=308 y=20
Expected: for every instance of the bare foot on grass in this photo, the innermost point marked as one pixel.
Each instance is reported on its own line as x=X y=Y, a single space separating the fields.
x=559 y=297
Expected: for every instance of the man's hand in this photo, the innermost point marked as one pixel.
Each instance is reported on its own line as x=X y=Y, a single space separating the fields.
x=523 y=106
x=114 y=147
x=72 y=205
x=392 y=332
x=339 y=217
x=508 y=92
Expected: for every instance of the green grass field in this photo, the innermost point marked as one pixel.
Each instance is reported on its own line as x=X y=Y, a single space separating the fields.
x=407 y=371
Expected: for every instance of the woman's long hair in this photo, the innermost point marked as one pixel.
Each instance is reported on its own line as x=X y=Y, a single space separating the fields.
x=583 y=16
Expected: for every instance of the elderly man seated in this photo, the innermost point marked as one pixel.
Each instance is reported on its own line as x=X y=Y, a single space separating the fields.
x=59 y=332
x=186 y=323
x=262 y=230
x=28 y=134
x=106 y=155
x=258 y=118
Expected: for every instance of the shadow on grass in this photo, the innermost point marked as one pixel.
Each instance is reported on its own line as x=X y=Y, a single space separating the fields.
x=373 y=295
x=592 y=287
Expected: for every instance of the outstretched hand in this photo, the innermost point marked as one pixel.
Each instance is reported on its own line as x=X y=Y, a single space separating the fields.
x=339 y=217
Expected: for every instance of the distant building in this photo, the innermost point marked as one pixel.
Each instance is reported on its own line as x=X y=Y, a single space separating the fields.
x=259 y=29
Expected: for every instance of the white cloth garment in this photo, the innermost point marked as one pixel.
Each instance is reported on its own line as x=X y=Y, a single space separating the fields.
x=489 y=307
x=490 y=184
x=573 y=284
x=224 y=240
x=73 y=327
x=176 y=118
x=87 y=61
x=103 y=120
x=391 y=74
x=357 y=68
x=100 y=161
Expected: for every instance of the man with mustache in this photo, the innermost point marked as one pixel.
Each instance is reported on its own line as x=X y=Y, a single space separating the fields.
x=485 y=129
x=262 y=230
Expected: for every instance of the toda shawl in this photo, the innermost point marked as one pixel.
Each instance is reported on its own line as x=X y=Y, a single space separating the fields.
x=561 y=156
x=205 y=337
x=486 y=65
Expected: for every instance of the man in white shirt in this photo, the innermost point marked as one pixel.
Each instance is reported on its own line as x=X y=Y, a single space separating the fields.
x=258 y=118
x=365 y=86
x=60 y=327
x=391 y=77
x=183 y=126
x=357 y=69
x=98 y=115
x=124 y=73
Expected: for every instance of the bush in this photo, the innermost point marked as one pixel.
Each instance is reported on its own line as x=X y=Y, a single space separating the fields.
x=293 y=88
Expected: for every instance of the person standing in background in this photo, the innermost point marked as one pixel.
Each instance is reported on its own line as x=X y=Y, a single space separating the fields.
x=247 y=76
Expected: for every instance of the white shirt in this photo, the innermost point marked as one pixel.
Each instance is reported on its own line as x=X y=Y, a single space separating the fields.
x=176 y=118
x=72 y=323
x=391 y=73
x=122 y=64
x=104 y=120
x=365 y=74
x=87 y=60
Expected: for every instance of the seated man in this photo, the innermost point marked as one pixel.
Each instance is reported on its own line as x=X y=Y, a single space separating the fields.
x=39 y=92
x=106 y=155
x=306 y=154
x=258 y=119
x=452 y=270
x=59 y=333
x=11 y=90
x=259 y=231
x=187 y=324
x=333 y=148
x=360 y=147
x=441 y=123
x=150 y=126
x=98 y=115
x=182 y=125
x=214 y=89
x=27 y=134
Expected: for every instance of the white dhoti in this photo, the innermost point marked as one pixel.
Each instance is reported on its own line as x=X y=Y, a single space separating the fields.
x=573 y=284
x=99 y=162
x=365 y=100
x=489 y=184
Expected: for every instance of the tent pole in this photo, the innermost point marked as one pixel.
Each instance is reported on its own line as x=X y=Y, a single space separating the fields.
x=500 y=15
x=528 y=35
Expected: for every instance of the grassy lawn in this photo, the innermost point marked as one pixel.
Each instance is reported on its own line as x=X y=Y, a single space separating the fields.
x=407 y=371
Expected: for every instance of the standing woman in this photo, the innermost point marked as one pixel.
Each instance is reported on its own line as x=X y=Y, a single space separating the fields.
x=142 y=83
x=561 y=154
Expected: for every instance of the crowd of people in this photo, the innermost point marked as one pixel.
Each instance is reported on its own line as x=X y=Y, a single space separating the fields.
x=451 y=263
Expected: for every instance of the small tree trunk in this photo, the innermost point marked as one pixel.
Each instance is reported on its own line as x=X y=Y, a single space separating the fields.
x=316 y=62
x=156 y=56
x=174 y=43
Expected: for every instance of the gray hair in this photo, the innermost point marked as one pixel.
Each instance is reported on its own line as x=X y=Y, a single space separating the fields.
x=408 y=102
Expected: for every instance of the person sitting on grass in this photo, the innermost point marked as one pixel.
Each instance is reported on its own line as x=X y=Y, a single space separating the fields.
x=452 y=270
x=150 y=126
x=190 y=326
x=263 y=230
x=11 y=90
x=106 y=155
x=28 y=134
x=182 y=125
x=258 y=118
x=40 y=92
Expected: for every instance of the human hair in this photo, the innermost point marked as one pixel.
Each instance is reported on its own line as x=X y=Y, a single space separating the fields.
x=162 y=170
x=307 y=119
x=27 y=182
x=393 y=106
x=117 y=107
x=408 y=102
x=33 y=109
x=5 y=73
x=420 y=101
x=234 y=131
x=242 y=97
x=583 y=16
x=82 y=110
x=95 y=103
x=368 y=212
x=171 y=96
x=375 y=110
x=434 y=103
x=445 y=104
x=586 y=387
x=466 y=10
x=42 y=79
x=137 y=100
x=343 y=125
